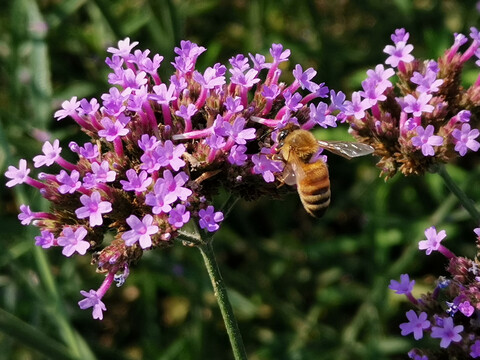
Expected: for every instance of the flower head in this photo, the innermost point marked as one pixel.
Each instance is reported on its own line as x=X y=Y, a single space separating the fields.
x=158 y=150
x=421 y=118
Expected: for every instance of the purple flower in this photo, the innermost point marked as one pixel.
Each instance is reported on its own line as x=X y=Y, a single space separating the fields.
x=372 y=92
x=292 y=101
x=148 y=143
x=234 y=105
x=178 y=216
x=433 y=240
x=17 y=176
x=398 y=53
x=447 y=332
x=69 y=108
x=237 y=132
x=141 y=231
x=416 y=106
x=92 y=299
x=89 y=151
x=45 y=239
x=186 y=112
x=174 y=186
x=400 y=35
x=133 y=80
x=427 y=83
x=317 y=113
x=270 y=92
x=189 y=50
x=475 y=349
x=114 y=101
x=246 y=80
x=136 y=182
x=102 y=173
x=381 y=76
x=237 y=155
x=215 y=141
x=210 y=79
x=239 y=62
x=466 y=308
x=405 y=286
x=278 y=54
x=162 y=94
x=426 y=140
x=26 y=215
x=465 y=139
x=158 y=200
x=73 y=241
x=357 y=106
x=51 y=153
x=416 y=324
x=259 y=62
x=304 y=78
x=266 y=167
x=412 y=354
x=69 y=183
x=209 y=219
x=112 y=130
x=93 y=208
x=124 y=48
x=168 y=154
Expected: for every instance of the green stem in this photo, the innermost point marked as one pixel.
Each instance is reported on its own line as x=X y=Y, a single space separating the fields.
x=461 y=196
x=222 y=298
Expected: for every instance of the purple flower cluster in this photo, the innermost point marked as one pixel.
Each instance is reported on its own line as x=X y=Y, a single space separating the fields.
x=160 y=150
x=426 y=117
x=451 y=313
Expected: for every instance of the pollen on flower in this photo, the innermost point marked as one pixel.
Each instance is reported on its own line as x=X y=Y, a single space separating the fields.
x=159 y=151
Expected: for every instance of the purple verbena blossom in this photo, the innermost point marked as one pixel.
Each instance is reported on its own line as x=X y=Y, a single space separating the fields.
x=51 y=153
x=416 y=324
x=72 y=241
x=17 y=176
x=209 y=219
x=433 y=242
x=447 y=332
x=136 y=182
x=465 y=139
x=475 y=349
x=416 y=106
x=179 y=216
x=45 y=240
x=93 y=208
x=141 y=231
x=398 y=53
x=405 y=286
x=69 y=182
x=426 y=140
x=92 y=300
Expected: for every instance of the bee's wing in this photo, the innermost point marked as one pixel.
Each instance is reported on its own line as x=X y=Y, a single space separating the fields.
x=292 y=173
x=346 y=149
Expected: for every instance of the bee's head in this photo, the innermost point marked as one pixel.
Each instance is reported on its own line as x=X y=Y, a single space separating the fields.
x=282 y=136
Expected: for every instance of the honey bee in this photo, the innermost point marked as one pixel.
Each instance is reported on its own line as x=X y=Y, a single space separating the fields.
x=298 y=148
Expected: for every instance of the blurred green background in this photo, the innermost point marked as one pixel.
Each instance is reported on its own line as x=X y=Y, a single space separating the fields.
x=302 y=288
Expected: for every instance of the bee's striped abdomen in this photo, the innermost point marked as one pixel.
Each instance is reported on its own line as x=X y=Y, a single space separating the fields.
x=314 y=188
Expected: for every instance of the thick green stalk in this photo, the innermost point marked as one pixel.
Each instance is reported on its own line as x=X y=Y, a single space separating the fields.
x=222 y=298
x=461 y=196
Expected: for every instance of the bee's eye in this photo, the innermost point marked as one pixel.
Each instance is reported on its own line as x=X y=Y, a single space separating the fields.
x=282 y=135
